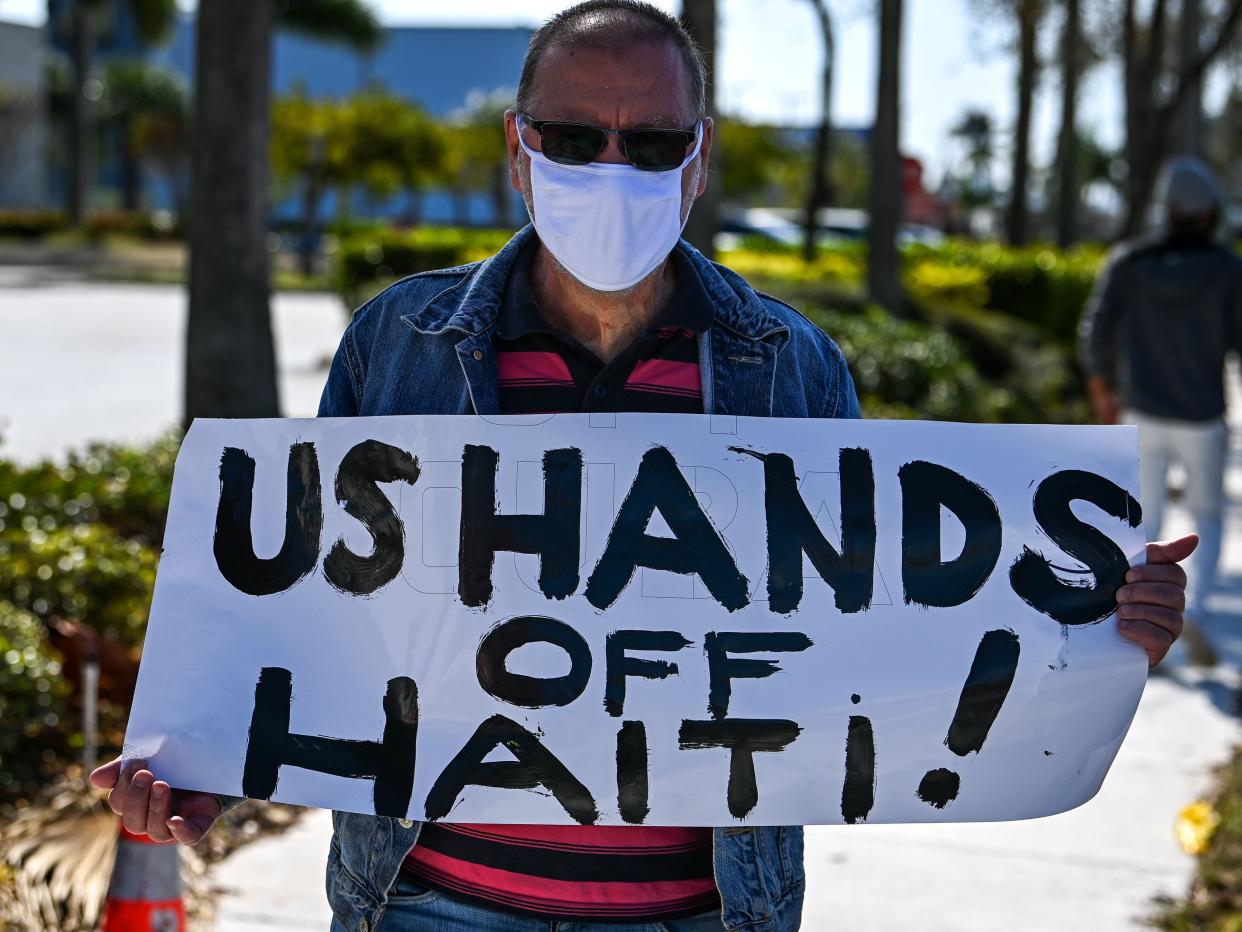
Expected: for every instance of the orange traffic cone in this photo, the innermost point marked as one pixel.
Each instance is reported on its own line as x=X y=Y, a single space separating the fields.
x=145 y=892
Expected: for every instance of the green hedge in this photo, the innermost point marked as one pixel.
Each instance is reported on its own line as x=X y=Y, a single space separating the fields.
x=1043 y=286
x=372 y=259
x=932 y=370
x=78 y=540
x=124 y=488
x=132 y=224
x=33 y=700
x=81 y=539
x=30 y=224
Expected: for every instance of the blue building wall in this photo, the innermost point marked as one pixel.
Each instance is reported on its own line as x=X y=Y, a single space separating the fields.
x=441 y=68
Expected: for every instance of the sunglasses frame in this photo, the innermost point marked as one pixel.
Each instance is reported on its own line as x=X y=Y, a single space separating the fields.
x=690 y=136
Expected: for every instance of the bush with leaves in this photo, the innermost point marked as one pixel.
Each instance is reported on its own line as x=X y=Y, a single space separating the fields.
x=123 y=488
x=86 y=572
x=374 y=259
x=33 y=699
x=78 y=540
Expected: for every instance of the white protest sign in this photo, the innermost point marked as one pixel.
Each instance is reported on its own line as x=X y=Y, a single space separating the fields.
x=657 y=619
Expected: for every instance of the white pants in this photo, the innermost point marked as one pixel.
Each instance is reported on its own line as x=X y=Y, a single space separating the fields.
x=1200 y=449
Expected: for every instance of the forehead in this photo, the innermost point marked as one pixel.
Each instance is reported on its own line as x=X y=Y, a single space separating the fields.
x=643 y=82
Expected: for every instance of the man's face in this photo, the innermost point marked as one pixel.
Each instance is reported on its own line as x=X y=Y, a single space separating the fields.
x=639 y=84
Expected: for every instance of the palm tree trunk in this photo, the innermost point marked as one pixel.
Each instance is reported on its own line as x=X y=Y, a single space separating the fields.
x=699 y=18
x=1188 y=136
x=230 y=356
x=1017 y=219
x=819 y=195
x=1067 y=141
x=81 y=142
x=1148 y=131
x=883 y=274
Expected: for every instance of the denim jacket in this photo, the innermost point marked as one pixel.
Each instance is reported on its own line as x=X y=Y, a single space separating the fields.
x=424 y=346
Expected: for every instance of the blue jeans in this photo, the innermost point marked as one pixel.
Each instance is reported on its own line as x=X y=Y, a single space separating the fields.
x=414 y=908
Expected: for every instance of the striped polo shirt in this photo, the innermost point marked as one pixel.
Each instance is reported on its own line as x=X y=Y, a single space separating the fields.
x=592 y=873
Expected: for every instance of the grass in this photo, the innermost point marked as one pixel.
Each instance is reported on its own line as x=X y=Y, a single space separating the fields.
x=1214 y=903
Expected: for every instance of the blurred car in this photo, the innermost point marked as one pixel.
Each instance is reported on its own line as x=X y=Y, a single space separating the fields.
x=836 y=226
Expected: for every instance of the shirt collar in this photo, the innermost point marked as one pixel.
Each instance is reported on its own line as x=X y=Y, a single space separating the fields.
x=689 y=307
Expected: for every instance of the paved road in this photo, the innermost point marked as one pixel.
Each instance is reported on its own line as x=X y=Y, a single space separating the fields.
x=114 y=358
x=81 y=361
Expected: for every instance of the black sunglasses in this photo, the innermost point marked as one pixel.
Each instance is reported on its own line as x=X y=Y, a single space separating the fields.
x=652 y=150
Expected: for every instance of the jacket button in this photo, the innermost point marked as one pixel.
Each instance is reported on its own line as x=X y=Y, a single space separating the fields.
x=363 y=926
x=405 y=823
x=478 y=354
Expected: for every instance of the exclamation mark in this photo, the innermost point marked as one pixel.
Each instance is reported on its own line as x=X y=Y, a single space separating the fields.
x=858 y=793
x=987 y=686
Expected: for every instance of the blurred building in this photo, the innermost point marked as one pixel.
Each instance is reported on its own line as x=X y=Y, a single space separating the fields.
x=443 y=69
x=23 y=117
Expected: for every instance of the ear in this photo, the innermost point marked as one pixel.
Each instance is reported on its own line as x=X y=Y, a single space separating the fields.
x=514 y=147
x=705 y=153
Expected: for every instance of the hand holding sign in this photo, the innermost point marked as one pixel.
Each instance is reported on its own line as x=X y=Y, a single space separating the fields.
x=1154 y=597
x=654 y=620
x=151 y=807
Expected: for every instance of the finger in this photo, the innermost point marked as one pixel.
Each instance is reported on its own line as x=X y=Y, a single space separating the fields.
x=1172 y=551
x=1154 y=639
x=138 y=802
x=1158 y=572
x=105 y=777
x=1157 y=615
x=188 y=831
x=116 y=799
x=1166 y=595
x=159 y=812
x=195 y=814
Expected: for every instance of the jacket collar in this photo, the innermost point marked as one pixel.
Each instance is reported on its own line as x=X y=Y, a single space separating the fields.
x=473 y=304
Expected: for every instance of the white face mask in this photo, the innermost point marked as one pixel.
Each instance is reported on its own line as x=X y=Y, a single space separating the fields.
x=609 y=225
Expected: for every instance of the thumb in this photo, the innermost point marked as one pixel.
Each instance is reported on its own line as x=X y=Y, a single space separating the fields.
x=1172 y=551
x=105 y=777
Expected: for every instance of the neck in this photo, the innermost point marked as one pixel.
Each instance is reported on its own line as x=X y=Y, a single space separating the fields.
x=605 y=322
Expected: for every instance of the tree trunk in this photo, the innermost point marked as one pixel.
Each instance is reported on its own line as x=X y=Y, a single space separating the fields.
x=80 y=168
x=131 y=169
x=883 y=273
x=1067 y=142
x=230 y=356
x=312 y=194
x=1188 y=135
x=1148 y=127
x=1017 y=220
x=502 y=196
x=818 y=189
x=699 y=18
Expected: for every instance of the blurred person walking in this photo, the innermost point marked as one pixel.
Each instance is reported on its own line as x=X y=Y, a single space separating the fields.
x=1164 y=314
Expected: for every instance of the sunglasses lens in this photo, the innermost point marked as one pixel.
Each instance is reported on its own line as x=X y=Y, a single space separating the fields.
x=656 y=150
x=572 y=144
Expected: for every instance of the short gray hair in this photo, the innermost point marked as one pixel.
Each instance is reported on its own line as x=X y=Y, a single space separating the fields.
x=612 y=23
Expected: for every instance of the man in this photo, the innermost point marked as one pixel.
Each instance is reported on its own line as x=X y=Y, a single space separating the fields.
x=1154 y=338
x=599 y=307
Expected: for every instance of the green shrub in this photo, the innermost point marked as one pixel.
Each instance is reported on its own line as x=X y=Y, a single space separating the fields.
x=903 y=369
x=80 y=540
x=34 y=699
x=1043 y=286
x=30 y=224
x=831 y=268
x=124 y=488
x=84 y=571
x=372 y=259
x=132 y=224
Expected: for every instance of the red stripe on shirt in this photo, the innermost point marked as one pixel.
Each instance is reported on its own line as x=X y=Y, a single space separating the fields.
x=532 y=368
x=665 y=375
